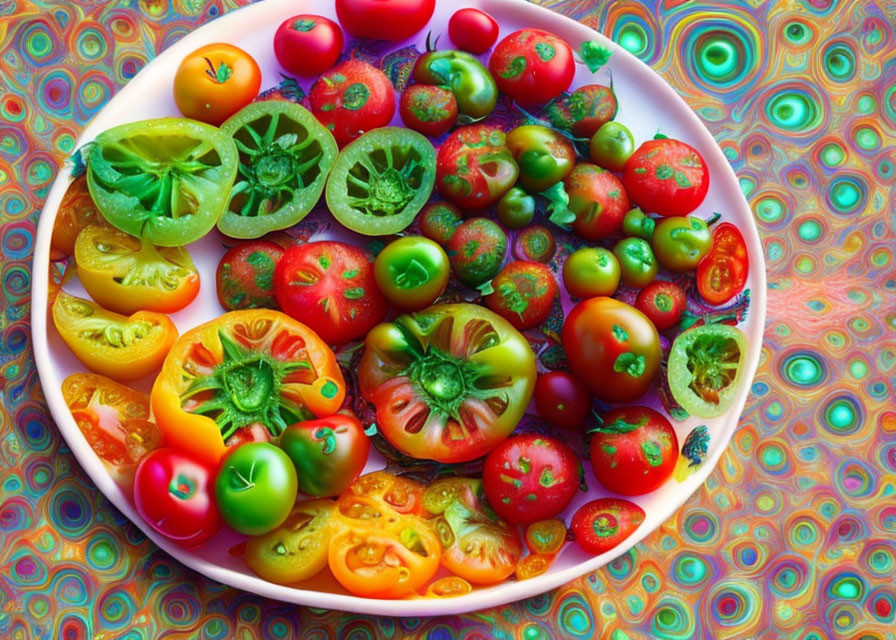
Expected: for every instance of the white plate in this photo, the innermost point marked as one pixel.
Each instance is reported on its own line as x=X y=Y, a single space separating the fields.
x=647 y=104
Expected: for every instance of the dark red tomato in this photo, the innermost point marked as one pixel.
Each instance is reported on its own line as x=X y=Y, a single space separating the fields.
x=598 y=199
x=524 y=293
x=634 y=451
x=351 y=98
x=384 y=19
x=585 y=110
x=330 y=287
x=476 y=251
x=439 y=220
x=530 y=477
x=475 y=167
x=662 y=302
x=561 y=399
x=472 y=30
x=667 y=177
x=428 y=109
x=604 y=523
x=175 y=495
x=532 y=66
x=722 y=272
x=307 y=45
x=245 y=275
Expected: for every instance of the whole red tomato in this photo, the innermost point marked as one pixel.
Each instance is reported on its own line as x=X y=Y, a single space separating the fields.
x=245 y=275
x=667 y=177
x=384 y=19
x=662 y=302
x=532 y=66
x=598 y=199
x=475 y=167
x=524 y=293
x=308 y=45
x=330 y=287
x=561 y=399
x=428 y=109
x=472 y=30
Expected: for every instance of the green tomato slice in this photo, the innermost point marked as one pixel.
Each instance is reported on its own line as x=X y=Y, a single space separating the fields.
x=381 y=181
x=285 y=155
x=165 y=180
x=706 y=367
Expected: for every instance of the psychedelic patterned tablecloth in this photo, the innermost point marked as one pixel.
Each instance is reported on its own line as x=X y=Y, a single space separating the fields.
x=793 y=535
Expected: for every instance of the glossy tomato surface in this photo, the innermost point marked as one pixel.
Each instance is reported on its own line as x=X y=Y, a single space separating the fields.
x=384 y=19
x=216 y=81
x=307 y=44
x=532 y=66
x=665 y=176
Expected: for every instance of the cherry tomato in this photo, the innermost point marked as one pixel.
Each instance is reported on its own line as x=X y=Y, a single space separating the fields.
x=602 y=524
x=667 y=177
x=412 y=272
x=476 y=251
x=439 y=220
x=216 y=81
x=662 y=302
x=561 y=399
x=546 y=537
x=532 y=66
x=611 y=146
x=680 y=242
x=533 y=565
x=634 y=451
x=516 y=208
x=475 y=167
x=590 y=272
x=472 y=30
x=245 y=275
x=524 y=293
x=636 y=261
x=535 y=242
x=722 y=273
x=449 y=587
x=530 y=477
x=544 y=156
x=598 y=199
x=428 y=109
x=391 y=20
x=307 y=45
x=584 y=111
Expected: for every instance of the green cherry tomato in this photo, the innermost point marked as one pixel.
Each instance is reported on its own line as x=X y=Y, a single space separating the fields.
x=255 y=488
x=469 y=81
x=680 y=242
x=638 y=225
x=637 y=262
x=544 y=156
x=516 y=208
x=612 y=146
x=591 y=271
x=412 y=272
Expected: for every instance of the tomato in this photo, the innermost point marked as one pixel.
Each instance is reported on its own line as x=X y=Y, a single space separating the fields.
x=448 y=383
x=250 y=368
x=125 y=274
x=472 y=85
x=533 y=565
x=328 y=453
x=307 y=44
x=584 y=111
x=449 y=587
x=391 y=20
x=475 y=167
x=530 y=477
x=476 y=545
x=679 y=243
x=604 y=523
x=245 y=275
x=351 y=98
x=638 y=225
x=428 y=109
x=524 y=293
x=634 y=451
x=667 y=177
x=722 y=273
x=532 y=66
x=546 y=537
x=76 y=212
x=535 y=242
x=476 y=251
x=611 y=146
x=398 y=493
x=120 y=347
x=636 y=262
x=216 y=81
x=330 y=287
x=114 y=419
x=612 y=347
x=590 y=272
x=412 y=272
x=381 y=180
x=706 y=368
x=173 y=494
x=662 y=302
x=472 y=30
x=439 y=220
x=561 y=399
x=544 y=156
x=298 y=548
x=516 y=208
x=598 y=199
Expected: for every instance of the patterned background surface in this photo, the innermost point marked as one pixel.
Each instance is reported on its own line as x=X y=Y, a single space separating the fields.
x=794 y=534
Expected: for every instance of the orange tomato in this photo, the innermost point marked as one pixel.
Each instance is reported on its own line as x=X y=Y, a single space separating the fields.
x=449 y=587
x=216 y=81
x=401 y=494
x=76 y=211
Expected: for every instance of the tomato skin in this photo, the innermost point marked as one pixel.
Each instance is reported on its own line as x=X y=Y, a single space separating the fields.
x=636 y=262
x=439 y=220
x=634 y=451
x=584 y=111
x=245 y=275
x=215 y=81
x=722 y=273
x=476 y=251
x=598 y=199
x=516 y=208
x=524 y=293
x=472 y=30
x=428 y=109
x=611 y=146
x=475 y=167
x=544 y=156
x=391 y=20
x=307 y=44
x=532 y=66
x=667 y=177
x=662 y=302
x=604 y=523
x=561 y=399
x=611 y=347
x=464 y=75
x=329 y=286
x=591 y=271
x=412 y=272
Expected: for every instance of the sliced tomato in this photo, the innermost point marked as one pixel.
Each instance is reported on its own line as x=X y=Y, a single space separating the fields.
x=605 y=523
x=722 y=273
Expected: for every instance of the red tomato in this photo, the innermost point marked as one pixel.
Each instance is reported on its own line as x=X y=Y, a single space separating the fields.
x=561 y=399
x=524 y=293
x=472 y=30
x=308 y=45
x=245 y=275
x=351 y=98
x=174 y=493
x=602 y=524
x=530 y=477
x=722 y=272
x=662 y=302
x=634 y=451
x=598 y=199
x=532 y=66
x=384 y=19
x=585 y=110
x=475 y=167
x=330 y=287
x=428 y=109
x=667 y=177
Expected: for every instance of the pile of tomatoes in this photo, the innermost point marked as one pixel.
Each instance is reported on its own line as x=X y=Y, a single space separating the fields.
x=253 y=421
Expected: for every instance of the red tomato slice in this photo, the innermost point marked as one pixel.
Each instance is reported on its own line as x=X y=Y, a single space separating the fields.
x=602 y=524
x=722 y=273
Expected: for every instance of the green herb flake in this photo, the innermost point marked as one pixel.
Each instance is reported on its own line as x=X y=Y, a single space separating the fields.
x=594 y=55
